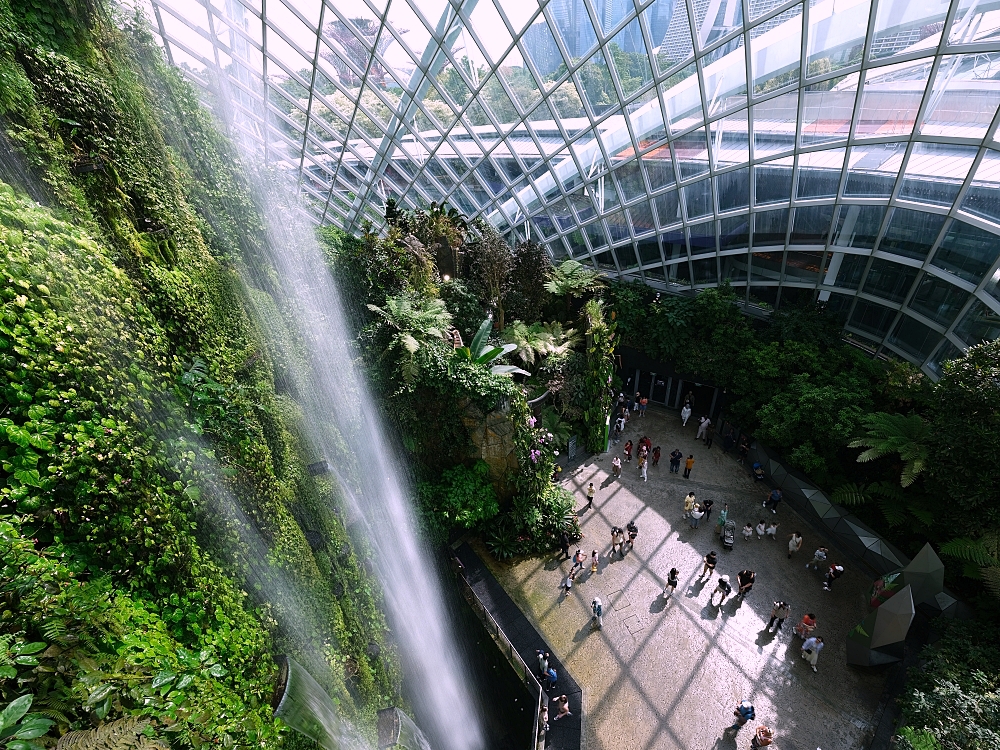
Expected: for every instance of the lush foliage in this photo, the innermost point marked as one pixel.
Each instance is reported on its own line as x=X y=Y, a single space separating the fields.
x=154 y=482
x=953 y=699
x=463 y=498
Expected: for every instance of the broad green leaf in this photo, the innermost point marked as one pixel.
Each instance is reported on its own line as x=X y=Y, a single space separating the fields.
x=163 y=678
x=28 y=648
x=17 y=708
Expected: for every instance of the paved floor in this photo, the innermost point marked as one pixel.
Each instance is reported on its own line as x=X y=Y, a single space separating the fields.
x=668 y=674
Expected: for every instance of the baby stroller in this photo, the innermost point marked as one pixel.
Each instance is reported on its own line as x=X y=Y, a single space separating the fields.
x=729 y=534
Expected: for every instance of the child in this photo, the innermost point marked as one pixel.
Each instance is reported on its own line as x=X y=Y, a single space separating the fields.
x=772 y=531
x=819 y=557
x=761 y=529
x=590 y=495
x=723 y=588
x=656 y=455
x=628 y=452
x=568 y=583
x=794 y=543
x=671 y=584
x=616 y=467
x=594 y=559
x=748 y=531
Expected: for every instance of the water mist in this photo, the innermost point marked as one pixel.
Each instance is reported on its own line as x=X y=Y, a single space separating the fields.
x=342 y=418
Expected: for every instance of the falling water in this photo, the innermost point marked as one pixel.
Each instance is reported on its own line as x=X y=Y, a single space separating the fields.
x=342 y=418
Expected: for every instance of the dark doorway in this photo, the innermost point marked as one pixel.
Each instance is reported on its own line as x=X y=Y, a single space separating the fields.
x=702 y=396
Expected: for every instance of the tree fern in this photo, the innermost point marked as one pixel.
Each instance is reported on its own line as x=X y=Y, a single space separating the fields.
x=850 y=494
x=123 y=734
x=895 y=433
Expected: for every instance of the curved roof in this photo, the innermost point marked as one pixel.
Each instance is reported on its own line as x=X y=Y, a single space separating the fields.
x=839 y=150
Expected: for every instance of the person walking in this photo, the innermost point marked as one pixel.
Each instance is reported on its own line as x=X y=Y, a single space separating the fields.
x=779 y=612
x=696 y=515
x=747 y=531
x=633 y=532
x=551 y=677
x=703 y=424
x=806 y=626
x=628 y=452
x=578 y=560
x=689 y=501
x=711 y=560
x=689 y=399
x=761 y=738
x=616 y=467
x=810 y=650
x=744 y=451
x=709 y=435
x=642 y=464
x=688 y=465
x=772 y=531
x=642 y=406
x=675 y=460
x=744 y=712
x=745 y=579
x=590 y=495
x=597 y=607
x=567 y=584
x=794 y=543
x=707 y=507
x=543 y=662
x=562 y=708
x=595 y=560
x=685 y=415
x=729 y=441
x=835 y=572
x=564 y=544
x=671 y=585
x=636 y=402
x=724 y=588
x=656 y=455
x=617 y=540
x=772 y=500
x=761 y=529
x=819 y=558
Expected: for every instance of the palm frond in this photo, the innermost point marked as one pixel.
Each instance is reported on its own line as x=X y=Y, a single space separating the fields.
x=850 y=494
x=969 y=550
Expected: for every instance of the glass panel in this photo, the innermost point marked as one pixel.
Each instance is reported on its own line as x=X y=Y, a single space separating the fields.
x=734 y=267
x=873 y=170
x=992 y=287
x=699 y=199
x=667 y=21
x=935 y=172
x=891 y=99
x=774 y=125
x=734 y=189
x=692 y=153
x=628 y=55
x=769 y=227
x=845 y=270
x=837 y=30
x=911 y=233
x=705 y=271
x=974 y=22
x=659 y=168
x=764 y=296
x=914 y=338
x=702 y=238
x=937 y=299
x=572 y=22
x=605 y=261
x=967 y=252
x=626 y=256
x=945 y=352
x=734 y=233
x=766 y=266
x=774 y=181
x=812 y=225
x=649 y=252
x=668 y=208
x=872 y=318
x=595 y=233
x=673 y=245
x=630 y=181
x=618 y=223
x=819 y=173
x=682 y=98
x=889 y=280
x=983 y=195
x=960 y=104
x=594 y=80
x=541 y=48
x=642 y=218
x=903 y=24
x=679 y=273
x=857 y=226
x=801 y=266
x=981 y=323
x=730 y=140
x=716 y=19
x=775 y=51
x=828 y=109
x=725 y=73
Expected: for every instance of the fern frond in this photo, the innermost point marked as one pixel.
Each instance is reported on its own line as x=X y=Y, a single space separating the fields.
x=850 y=494
x=991 y=579
x=969 y=550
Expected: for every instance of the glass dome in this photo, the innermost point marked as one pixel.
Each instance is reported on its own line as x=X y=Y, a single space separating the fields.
x=844 y=151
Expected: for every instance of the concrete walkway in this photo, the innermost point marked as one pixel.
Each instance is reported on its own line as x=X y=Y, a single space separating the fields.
x=668 y=674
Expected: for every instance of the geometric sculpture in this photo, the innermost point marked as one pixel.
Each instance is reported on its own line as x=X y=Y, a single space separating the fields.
x=925 y=576
x=879 y=638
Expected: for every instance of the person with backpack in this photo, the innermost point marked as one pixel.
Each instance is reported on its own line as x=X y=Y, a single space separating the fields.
x=723 y=587
x=597 y=607
x=551 y=676
x=819 y=557
x=578 y=560
x=744 y=712
x=675 y=460
x=779 y=612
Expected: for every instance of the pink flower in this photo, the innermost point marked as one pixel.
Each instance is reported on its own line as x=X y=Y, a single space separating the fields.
x=531 y=421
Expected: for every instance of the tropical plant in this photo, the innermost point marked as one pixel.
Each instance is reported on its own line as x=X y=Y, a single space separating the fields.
x=122 y=734
x=539 y=340
x=527 y=296
x=571 y=280
x=412 y=321
x=895 y=504
x=600 y=373
x=895 y=433
x=491 y=262
x=481 y=352
x=18 y=727
x=982 y=557
x=552 y=422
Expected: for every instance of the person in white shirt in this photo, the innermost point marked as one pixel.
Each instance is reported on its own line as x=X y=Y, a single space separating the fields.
x=748 y=531
x=811 y=649
x=761 y=528
x=685 y=415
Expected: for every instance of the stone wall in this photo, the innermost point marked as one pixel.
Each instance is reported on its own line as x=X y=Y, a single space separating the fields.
x=492 y=438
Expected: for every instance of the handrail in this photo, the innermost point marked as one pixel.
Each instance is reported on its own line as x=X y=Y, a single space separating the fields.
x=513 y=658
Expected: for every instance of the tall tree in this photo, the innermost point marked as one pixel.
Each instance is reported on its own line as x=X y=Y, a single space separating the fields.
x=490 y=262
x=527 y=295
